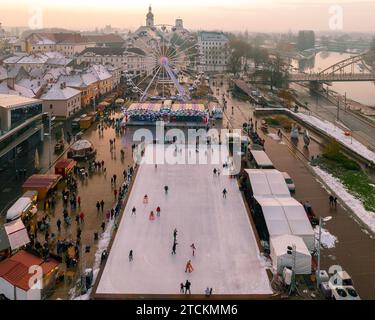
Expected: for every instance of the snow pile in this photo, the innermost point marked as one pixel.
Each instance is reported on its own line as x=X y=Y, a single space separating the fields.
x=367 y=217
x=338 y=134
x=327 y=240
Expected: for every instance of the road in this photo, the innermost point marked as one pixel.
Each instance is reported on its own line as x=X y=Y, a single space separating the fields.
x=362 y=130
x=355 y=249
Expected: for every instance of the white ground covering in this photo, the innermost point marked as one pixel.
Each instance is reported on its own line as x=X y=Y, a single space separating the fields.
x=327 y=240
x=227 y=257
x=367 y=217
x=339 y=135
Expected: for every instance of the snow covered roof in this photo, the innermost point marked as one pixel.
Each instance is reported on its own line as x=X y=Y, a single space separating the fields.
x=58 y=93
x=267 y=182
x=100 y=72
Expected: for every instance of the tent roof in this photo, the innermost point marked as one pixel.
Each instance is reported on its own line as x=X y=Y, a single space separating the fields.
x=261 y=157
x=281 y=243
x=19 y=206
x=285 y=216
x=17 y=234
x=268 y=182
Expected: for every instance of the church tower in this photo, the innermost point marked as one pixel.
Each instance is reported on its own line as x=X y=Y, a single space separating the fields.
x=150 y=17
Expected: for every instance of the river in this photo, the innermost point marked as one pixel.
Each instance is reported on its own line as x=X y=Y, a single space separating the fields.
x=363 y=92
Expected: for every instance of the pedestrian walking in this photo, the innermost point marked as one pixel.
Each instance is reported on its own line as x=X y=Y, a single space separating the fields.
x=58 y=223
x=108 y=215
x=103 y=226
x=102 y=205
x=166 y=189
x=214 y=171
x=174 y=247
x=225 y=193
x=130 y=255
x=158 y=211
x=193 y=248
x=134 y=211
x=331 y=200
x=114 y=178
x=115 y=193
x=187 y=286
x=335 y=202
x=77 y=219
x=79 y=201
x=189 y=267
x=175 y=234
x=97 y=205
x=182 y=288
x=82 y=217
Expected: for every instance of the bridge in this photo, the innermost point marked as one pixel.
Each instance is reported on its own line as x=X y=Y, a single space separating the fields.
x=317 y=77
x=338 y=72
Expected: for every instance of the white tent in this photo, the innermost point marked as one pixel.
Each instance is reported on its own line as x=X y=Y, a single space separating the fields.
x=287 y=216
x=280 y=257
x=267 y=182
x=261 y=159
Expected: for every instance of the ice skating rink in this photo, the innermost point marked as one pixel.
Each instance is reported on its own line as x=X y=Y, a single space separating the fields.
x=226 y=257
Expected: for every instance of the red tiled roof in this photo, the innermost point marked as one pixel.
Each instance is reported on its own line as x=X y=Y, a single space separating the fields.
x=15 y=269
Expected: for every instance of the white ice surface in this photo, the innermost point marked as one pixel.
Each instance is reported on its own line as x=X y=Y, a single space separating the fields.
x=227 y=257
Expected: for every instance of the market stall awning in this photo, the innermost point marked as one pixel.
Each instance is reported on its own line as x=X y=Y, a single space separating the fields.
x=47 y=181
x=65 y=166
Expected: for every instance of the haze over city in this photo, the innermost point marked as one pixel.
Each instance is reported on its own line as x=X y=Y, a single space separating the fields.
x=254 y=15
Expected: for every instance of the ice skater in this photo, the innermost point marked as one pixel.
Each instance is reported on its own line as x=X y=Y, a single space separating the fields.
x=158 y=211
x=134 y=211
x=225 y=193
x=151 y=216
x=193 y=248
x=131 y=255
x=189 y=267
x=175 y=234
x=187 y=286
x=145 y=199
x=174 y=247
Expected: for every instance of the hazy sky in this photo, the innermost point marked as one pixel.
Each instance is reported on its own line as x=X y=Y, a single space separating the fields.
x=254 y=15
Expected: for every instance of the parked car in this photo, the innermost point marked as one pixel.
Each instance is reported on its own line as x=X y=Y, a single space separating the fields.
x=341 y=286
x=289 y=182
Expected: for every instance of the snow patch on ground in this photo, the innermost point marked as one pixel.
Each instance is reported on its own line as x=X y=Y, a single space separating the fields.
x=339 y=135
x=367 y=217
x=327 y=239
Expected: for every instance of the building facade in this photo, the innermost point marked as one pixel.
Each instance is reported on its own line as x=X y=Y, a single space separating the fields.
x=213 y=51
x=61 y=101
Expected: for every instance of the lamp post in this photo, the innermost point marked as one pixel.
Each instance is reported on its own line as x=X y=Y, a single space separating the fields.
x=49 y=134
x=291 y=250
x=321 y=221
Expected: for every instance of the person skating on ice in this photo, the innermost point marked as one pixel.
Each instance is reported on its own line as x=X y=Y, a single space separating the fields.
x=193 y=248
x=174 y=247
x=131 y=255
x=189 y=267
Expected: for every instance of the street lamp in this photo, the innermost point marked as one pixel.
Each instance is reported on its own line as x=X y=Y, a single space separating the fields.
x=49 y=134
x=291 y=250
x=321 y=221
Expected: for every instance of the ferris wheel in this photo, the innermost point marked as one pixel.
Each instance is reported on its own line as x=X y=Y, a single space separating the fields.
x=172 y=55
